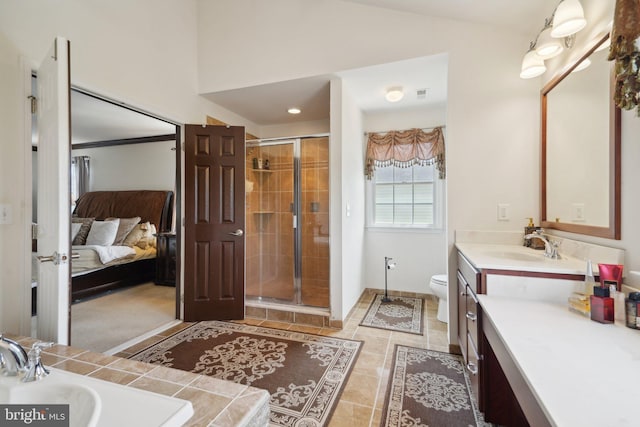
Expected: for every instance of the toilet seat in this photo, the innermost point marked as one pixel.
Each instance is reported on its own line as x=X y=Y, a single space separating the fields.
x=439 y=279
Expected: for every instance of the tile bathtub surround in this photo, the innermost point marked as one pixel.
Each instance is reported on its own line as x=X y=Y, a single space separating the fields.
x=215 y=402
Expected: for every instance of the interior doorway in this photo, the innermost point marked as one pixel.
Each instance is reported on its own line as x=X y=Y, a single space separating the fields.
x=128 y=152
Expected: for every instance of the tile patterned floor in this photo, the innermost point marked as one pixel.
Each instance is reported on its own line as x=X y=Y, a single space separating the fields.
x=363 y=397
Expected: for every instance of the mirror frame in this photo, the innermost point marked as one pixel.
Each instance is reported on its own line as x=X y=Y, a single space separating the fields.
x=613 y=231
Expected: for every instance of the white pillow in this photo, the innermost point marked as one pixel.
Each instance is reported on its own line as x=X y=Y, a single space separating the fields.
x=103 y=233
x=75 y=229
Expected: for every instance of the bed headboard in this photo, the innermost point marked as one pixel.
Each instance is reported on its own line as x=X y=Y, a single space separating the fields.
x=150 y=205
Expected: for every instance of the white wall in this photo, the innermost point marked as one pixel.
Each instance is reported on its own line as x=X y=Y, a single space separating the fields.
x=295 y=129
x=419 y=254
x=148 y=166
x=352 y=206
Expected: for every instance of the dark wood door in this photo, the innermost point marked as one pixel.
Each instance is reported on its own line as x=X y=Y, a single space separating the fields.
x=214 y=223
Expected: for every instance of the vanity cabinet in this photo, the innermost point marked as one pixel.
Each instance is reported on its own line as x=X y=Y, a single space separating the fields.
x=469 y=317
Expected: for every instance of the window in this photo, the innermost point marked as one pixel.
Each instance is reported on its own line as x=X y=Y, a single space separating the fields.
x=404 y=197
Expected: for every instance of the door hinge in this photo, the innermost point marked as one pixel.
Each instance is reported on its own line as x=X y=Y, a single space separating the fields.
x=182 y=146
x=34 y=231
x=34 y=104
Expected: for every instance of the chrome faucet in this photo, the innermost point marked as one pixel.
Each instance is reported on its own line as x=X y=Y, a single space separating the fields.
x=15 y=361
x=550 y=247
x=13 y=358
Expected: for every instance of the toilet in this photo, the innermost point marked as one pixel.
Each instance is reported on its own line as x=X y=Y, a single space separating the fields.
x=438 y=286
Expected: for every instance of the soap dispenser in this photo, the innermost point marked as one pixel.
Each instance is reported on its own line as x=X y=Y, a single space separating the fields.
x=532 y=243
x=530 y=228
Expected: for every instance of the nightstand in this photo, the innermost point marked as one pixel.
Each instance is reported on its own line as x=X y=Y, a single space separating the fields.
x=166 y=259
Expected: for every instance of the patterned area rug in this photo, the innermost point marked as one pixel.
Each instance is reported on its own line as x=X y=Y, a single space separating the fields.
x=402 y=314
x=304 y=373
x=428 y=388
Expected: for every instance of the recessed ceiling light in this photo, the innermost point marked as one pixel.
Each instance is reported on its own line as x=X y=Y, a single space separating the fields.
x=294 y=110
x=394 y=94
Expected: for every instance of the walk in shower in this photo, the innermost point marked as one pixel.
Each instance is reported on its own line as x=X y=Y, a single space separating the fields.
x=287 y=224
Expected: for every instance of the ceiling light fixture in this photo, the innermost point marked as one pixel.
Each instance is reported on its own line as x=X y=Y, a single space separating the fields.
x=294 y=110
x=566 y=20
x=394 y=94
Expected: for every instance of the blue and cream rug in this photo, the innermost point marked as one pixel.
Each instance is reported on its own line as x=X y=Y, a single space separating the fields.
x=304 y=373
x=401 y=314
x=428 y=388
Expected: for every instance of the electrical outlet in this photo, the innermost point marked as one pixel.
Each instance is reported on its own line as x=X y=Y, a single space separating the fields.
x=503 y=212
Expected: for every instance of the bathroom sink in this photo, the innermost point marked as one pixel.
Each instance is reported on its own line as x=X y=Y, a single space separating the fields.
x=93 y=402
x=84 y=403
x=516 y=256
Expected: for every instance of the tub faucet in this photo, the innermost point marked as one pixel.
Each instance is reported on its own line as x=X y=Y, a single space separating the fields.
x=13 y=358
x=550 y=247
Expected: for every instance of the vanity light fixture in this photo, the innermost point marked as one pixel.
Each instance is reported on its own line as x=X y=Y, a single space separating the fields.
x=557 y=33
x=394 y=94
x=568 y=19
x=532 y=65
x=294 y=110
x=547 y=46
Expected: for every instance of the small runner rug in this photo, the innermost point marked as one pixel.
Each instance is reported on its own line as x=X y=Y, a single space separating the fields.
x=304 y=373
x=401 y=314
x=428 y=388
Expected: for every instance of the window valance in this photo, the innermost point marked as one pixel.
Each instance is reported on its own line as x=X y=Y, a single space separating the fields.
x=405 y=148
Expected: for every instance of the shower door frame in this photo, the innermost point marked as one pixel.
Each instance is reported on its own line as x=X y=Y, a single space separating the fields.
x=297 y=210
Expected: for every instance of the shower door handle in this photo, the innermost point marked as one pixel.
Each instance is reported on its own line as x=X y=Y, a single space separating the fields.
x=238 y=232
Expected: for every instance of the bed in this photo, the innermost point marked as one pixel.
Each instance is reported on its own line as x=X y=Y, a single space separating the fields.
x=96 y=268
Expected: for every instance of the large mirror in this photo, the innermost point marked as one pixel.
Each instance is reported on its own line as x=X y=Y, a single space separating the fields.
x=581 y=149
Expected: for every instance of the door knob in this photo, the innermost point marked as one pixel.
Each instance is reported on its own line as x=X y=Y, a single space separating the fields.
x=56 y=258
x=238 y=233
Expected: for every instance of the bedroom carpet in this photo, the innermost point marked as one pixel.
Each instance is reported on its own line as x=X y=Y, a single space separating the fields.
x=304 y=373
x=401 y=314
x=428 y=388
x=100 y=324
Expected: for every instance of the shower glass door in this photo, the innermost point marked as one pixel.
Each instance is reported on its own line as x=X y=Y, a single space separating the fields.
x=269 y=209
x=288 y=221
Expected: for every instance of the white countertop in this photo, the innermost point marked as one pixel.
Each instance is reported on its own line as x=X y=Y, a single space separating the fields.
x=520 y=258
x=583 y=373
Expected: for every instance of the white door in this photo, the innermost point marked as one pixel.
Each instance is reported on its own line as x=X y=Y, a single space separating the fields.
x=54 y=194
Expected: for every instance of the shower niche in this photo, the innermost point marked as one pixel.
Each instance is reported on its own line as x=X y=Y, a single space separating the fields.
x=287 y=210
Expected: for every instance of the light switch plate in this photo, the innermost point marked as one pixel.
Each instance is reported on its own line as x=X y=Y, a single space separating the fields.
x=6 y=214
x=578 y=212
x=503 y=212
